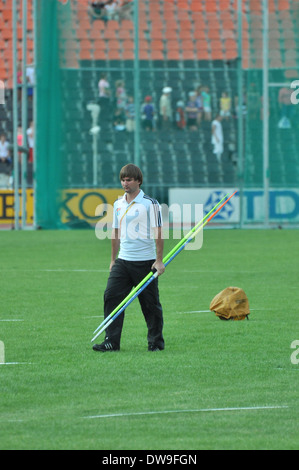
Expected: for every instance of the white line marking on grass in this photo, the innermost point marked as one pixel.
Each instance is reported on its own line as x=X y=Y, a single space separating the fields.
x=201 y=410
x=95 y=316
x=11 y=319
x=209 y=311
x=205 y=271
x=74 y=270
x=195 y=311
x=13 y=363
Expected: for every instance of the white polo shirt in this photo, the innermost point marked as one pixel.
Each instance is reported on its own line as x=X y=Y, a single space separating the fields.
x=136 y=222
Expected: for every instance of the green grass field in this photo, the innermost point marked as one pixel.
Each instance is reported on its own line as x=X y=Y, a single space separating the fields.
x=217 y=385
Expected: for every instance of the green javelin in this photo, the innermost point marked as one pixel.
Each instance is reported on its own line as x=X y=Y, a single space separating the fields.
x=166 y=258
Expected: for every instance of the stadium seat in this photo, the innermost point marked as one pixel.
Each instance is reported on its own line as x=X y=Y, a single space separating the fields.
x=199 y=23
x=173 y=45
x=82 y=33
x=186 y=25
x=109 y=34
x=156 y=34
x=171 y=34
x=283 y=5
x=144 y=55
x=114 y=54
x=86 y=54
x=185 y=34
x=128 y=55
x=7 y=34
x=213 y=23
x=217 y=54
x=128 y=45
x=203 y=54
x=187 y=45
x=211 y=6
x=3 y=73
x=196 y=6
x=157 y=45
x=98 y=44
x=125 y=34
x=7 y=15
x=214 y=34
x=99 y=54
x=173 y=55
x=188 y=55
x=228 y=25
x=156 y=55
x=170 y=24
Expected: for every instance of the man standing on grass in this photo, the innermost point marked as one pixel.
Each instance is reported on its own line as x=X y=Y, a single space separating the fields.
x=136 y=249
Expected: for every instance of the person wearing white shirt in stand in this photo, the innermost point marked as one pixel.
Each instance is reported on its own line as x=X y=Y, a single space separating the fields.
x=217 y=137
x=30 y=77
x=5 y=161
x=4 y=149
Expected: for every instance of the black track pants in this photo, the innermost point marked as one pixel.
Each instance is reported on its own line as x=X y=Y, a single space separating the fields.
x=123 y=277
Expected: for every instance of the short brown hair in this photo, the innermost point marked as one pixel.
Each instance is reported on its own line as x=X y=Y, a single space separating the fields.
x=131 y=171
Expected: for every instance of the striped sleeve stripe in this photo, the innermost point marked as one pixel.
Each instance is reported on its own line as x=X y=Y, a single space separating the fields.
x=157 y=212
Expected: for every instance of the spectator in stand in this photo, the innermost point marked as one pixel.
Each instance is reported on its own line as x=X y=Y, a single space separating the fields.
x=119 y=120
x=199 y=103
x=5 y=163
x=130 y=114
x=286 y=107
x=225 y=105
x=104 y=87
x=207 y=110
x=19 y=81
x=165 y=108
x=96 y=10
x=4 y=150
x=120 y=94
x=254 y=102
x=192 y=111
x=125 y=10
x=20 y=141
x=30 y=77
x=180 y=115
x=30 y=139
x=148 y=114
x=104 y=95
x=111 y=9
x=217 y=137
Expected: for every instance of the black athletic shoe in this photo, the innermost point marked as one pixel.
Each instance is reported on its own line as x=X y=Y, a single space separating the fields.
x=105 y=346
x=154 y=347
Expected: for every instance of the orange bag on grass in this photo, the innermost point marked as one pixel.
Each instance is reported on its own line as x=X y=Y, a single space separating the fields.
x=231 y=304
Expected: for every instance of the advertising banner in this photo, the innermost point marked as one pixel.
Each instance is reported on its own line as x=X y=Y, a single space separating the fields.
x=7 y=211
x=91 y=205
x=283 y=204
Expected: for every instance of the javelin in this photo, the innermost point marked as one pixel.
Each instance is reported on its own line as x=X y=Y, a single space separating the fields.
x=150 y=277
x=181 y=242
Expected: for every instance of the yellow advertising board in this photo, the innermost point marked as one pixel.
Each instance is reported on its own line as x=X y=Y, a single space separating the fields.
x=85 y=204
x=7 y=211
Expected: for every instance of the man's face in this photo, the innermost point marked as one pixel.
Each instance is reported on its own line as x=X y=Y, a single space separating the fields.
x=130 y=185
